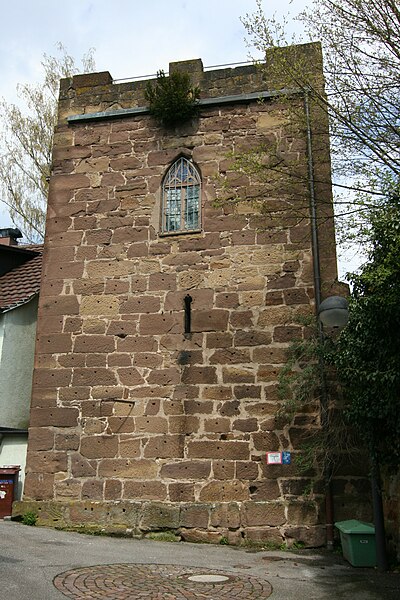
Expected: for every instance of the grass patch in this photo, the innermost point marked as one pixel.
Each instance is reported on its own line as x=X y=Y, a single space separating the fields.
x=163 y=536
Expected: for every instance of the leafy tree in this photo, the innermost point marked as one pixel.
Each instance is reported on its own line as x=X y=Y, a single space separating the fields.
x=368 y=351
x=366 y=358
x=27 y=141
x=361 y=47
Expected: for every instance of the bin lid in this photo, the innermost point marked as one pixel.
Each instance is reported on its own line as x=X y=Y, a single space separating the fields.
x=9 y=470
x=354 y=526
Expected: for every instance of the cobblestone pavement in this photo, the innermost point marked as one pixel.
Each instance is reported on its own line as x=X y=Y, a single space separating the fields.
x=44 y=564
x=153 y=582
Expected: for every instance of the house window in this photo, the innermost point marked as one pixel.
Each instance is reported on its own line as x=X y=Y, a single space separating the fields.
x=181 y=197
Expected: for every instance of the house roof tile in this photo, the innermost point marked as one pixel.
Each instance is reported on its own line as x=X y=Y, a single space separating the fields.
x=20 y=284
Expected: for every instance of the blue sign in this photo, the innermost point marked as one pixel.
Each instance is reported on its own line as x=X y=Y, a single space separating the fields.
x=286 y=458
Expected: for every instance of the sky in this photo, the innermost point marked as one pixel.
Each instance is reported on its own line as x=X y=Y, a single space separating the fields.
x=130 y=38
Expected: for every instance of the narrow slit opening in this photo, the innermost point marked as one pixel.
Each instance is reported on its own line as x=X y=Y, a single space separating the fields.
x=188 y=313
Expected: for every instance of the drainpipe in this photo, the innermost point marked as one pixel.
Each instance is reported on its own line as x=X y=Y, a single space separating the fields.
x=317 y=287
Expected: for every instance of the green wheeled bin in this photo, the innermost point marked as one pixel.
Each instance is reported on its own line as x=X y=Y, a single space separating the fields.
x=358 y=542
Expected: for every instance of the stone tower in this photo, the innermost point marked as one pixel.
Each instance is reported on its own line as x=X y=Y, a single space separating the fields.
x=165 y=315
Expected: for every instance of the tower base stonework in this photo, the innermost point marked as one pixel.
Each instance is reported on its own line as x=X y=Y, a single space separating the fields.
x=235 y=523
x=143 y=419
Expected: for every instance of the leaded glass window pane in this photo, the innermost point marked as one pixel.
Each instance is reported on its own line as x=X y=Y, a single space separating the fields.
x=192 y=207
x=173 y=210
x=181 y=197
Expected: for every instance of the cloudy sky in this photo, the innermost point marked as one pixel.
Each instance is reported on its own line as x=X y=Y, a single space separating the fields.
x=130 y=37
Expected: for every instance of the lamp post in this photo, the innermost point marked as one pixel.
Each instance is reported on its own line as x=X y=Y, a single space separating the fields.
x=334 y=312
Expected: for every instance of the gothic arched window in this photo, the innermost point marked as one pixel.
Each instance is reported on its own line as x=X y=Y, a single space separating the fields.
x=181 y=198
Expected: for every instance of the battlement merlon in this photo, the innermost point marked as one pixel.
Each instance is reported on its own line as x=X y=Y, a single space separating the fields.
x=97 y=92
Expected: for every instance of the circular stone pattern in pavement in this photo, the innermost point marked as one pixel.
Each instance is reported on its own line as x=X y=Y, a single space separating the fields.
x=158 y=582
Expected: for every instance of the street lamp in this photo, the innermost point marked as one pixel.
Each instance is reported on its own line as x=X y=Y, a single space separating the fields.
x=334 y=312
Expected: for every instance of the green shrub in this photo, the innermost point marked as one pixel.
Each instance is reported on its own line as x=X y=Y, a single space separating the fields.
x=172 y=100
x=29 y=518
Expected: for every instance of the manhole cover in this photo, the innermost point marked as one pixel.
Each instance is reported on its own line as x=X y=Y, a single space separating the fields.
x=210 y=578
x=170 y=582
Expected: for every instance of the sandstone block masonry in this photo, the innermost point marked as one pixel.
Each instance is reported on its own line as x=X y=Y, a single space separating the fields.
x=135 y=424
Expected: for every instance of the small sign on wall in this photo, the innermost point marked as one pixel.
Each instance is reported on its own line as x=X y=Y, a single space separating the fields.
x=279 y=458
x=274 y=458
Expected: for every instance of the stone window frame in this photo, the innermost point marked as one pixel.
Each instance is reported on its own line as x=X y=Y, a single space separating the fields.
x=168 y=184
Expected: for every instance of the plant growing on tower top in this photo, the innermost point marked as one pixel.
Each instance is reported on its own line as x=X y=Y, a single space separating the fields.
x=172 y=100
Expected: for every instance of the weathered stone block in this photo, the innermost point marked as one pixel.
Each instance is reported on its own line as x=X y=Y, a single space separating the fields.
x=223 y=469
x=213 y=320
x=247 y=470
x=238 y=375
x=266 y=441
x=40 y=439
x=129 y=376
x=244 y=425
x=130 y=448
x=195 y=515
x=181 y=492
x=226 y=356
x=94 y=343
x=48 y=378
x=92 y=489
x=169 y=376
x=99 y=446
x=217 y=425
x=87 y=512
x=54 y=417
x=224 y=491
x=219 y=340
x=288 y=333
x=162 y=281
x=200 y=536
x=189 y=469
x=311 y=537
x=67 y=489
x=269 y=535
x=125 y=424
x=159 y=324
x=252 y=338
x=141 y=304
x=132 y=343
x=66 y=441
x=94 y=376
x=145 y=490
x=236 y=450
x=165 y=446
x=183 y=424
x=100 y=305
x=159 y=516
x=112 y=489
x=46 y=462
x=39 y=486
x=151 y=424
x=225 y=515
x=58 y=342
x=128 y=469
x=261 y=514
x=264 y=490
